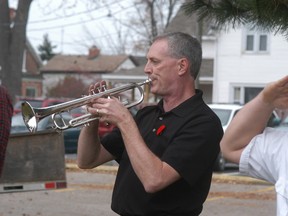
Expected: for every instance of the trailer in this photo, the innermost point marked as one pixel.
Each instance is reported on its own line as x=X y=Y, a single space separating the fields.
x=34 y=161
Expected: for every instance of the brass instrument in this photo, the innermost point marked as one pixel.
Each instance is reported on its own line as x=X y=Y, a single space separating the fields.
x=32 y=116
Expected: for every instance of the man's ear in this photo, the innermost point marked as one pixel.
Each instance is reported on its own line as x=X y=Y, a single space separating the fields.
x=182 y=66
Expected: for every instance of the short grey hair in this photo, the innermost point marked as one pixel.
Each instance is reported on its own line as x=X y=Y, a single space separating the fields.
x=184 y=45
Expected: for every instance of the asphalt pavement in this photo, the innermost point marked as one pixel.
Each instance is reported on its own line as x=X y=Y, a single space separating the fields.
x=89 y=192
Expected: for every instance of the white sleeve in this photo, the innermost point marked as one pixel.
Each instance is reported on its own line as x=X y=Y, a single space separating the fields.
x=266 y=158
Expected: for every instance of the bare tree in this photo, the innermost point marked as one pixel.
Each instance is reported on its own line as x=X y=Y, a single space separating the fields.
x=116 y=44
x=12 y=44
x=144 y=20
x=151 y=18
x=69 y=87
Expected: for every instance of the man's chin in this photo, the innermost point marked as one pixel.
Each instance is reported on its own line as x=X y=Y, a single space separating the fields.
x=153 y=90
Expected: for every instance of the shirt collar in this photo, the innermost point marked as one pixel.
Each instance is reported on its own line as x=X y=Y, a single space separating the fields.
x=184 y=108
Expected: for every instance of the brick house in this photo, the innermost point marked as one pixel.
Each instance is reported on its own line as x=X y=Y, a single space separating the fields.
x=31 y=77
x=87 y=68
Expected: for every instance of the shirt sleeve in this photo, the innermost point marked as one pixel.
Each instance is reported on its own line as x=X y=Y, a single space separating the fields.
x=265 y=157
x=114 y=144
x=6 y=112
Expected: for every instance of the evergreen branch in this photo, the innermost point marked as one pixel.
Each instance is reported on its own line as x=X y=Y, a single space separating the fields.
x=271 y=16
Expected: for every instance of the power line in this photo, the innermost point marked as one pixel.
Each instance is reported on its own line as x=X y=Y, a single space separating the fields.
x=79 y=22
x=72 y=15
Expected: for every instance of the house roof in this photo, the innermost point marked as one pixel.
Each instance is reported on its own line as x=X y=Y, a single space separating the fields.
x=139 y=60
x=33 y=53
x=137 y=71
x=81 y=63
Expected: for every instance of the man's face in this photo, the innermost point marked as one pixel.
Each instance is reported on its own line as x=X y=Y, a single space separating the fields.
x=161 y=68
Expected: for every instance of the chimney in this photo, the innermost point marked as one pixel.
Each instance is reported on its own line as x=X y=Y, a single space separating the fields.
x=93 y=52
x=12 y=13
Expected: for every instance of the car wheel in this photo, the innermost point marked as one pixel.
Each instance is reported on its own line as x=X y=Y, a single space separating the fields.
x=220 y=163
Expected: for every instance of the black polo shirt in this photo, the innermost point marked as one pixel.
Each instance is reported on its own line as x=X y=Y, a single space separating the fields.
x=187 y=138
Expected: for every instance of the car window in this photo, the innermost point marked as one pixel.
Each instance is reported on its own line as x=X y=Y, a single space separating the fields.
x=78 y=111
x=63 y=117
x=17 y=120
x=285 y=121
x=236 y=113
x=18 y=125
x=18 y=105
x=35 y=103
x=273 y=121
x=223 y=115
x=48 y=122
x=31 y=102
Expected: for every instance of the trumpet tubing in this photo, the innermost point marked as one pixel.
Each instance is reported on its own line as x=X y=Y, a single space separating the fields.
x=32 y=116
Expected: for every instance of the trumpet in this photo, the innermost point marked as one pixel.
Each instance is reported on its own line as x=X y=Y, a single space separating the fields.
x=32 y=116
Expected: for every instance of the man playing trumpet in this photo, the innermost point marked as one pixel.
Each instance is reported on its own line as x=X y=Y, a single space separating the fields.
x=167 y=152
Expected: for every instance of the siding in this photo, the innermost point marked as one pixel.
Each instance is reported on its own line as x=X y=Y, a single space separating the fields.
x=232 y=66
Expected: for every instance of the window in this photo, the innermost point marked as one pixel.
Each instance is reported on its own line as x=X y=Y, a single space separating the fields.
x=243 y=94
x=30 y=92
x=255 y=41
x=250 y=93
x=263 y=43
x=24 y=69
x=237 y=95
x=249 y=42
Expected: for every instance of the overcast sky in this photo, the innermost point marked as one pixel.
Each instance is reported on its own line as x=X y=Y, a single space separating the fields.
x=74 y=26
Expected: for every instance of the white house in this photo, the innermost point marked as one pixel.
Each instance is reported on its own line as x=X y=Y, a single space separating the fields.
x=245 y=61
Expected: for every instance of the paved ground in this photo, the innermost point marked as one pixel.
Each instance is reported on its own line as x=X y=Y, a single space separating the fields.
x=89 y=194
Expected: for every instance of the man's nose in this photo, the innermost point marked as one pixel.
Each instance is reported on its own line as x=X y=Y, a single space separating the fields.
x=147 y=69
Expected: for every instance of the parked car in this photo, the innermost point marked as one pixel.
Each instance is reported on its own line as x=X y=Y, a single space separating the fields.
x=283 y=124
x=17 y=124
x=226 y=112
x=70 y=135
x=33 y=101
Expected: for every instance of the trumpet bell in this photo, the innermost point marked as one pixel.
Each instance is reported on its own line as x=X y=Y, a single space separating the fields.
x=29 y=117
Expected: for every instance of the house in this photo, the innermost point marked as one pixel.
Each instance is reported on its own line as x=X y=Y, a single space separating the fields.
x=189 y=25
x=237 y=63
x=31 y=77
x=87 y=68
x=245 y=61
x=134 y=75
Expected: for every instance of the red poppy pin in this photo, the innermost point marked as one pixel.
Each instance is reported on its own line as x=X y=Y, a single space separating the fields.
x=160 y=130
